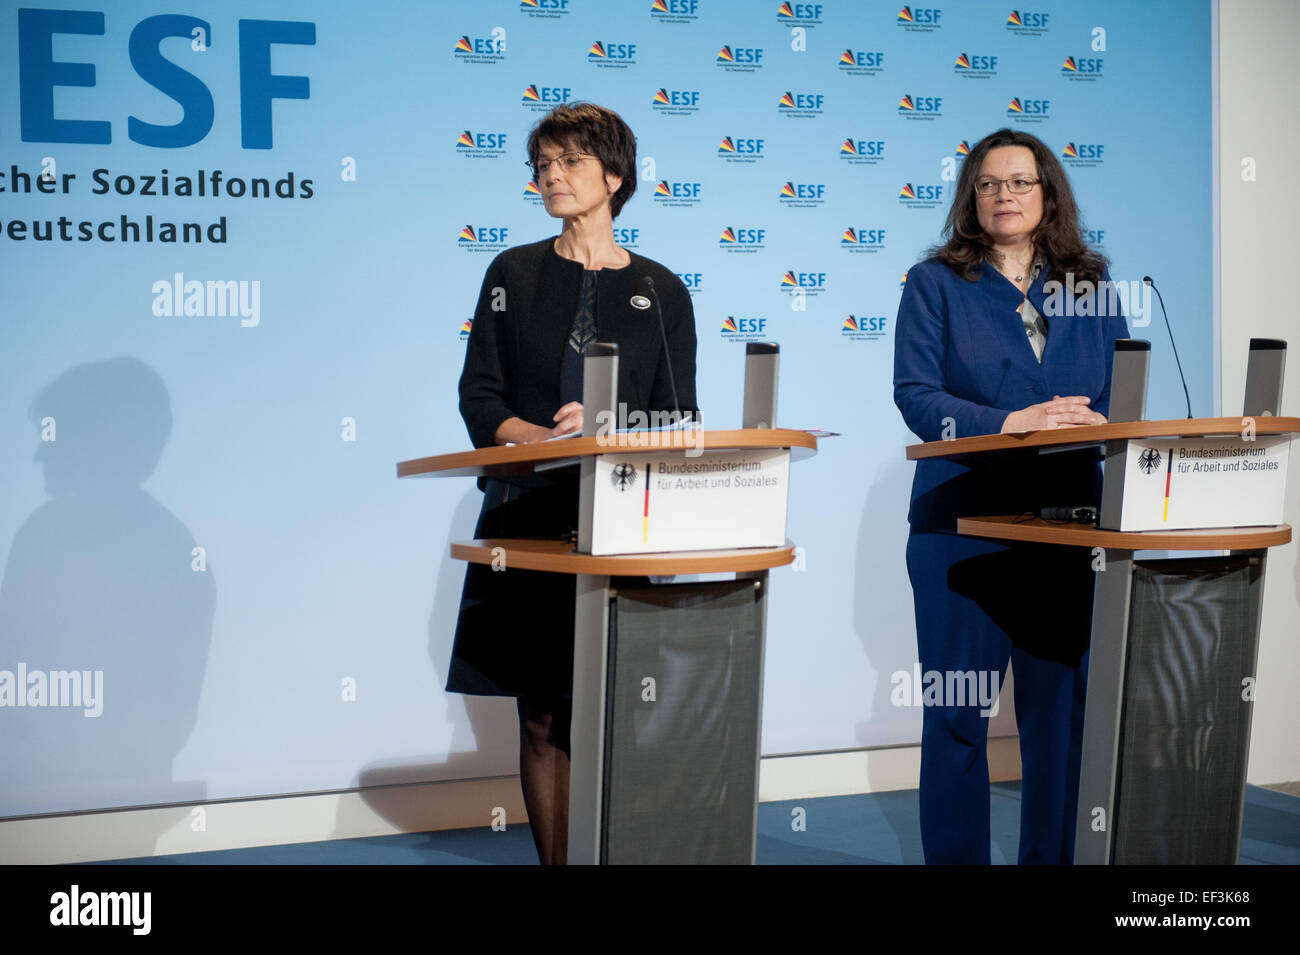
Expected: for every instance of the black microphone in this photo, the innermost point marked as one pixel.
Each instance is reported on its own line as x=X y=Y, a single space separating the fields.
x=1147 y=279
x=663 y=337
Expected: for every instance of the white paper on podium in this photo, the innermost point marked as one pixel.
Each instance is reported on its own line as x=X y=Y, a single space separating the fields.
x=657 y=501
x=1191 y=483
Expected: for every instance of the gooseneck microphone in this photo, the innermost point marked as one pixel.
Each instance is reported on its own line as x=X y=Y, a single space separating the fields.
x=1147 y=280
x=663 y=337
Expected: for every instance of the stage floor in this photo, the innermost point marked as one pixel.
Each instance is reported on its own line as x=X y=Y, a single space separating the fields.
x=876 y=829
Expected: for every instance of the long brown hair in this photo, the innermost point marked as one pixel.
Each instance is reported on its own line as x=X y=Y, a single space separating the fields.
x=1059 y=235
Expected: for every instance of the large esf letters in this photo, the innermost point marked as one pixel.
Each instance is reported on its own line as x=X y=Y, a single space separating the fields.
x=39 y=73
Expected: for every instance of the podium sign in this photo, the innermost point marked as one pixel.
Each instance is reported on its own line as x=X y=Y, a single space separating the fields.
x=1195 y=483
x=670 y=501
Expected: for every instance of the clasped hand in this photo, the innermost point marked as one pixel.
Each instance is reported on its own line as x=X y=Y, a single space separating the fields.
x=1068 y=412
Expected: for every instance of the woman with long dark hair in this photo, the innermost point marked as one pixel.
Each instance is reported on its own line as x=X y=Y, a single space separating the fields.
x=982 y=346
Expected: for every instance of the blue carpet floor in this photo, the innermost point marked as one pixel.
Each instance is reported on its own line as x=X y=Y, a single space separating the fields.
x=879 y=829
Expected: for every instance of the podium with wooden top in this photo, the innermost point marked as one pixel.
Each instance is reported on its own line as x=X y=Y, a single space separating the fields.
x=1174 y=640
x=677 y=531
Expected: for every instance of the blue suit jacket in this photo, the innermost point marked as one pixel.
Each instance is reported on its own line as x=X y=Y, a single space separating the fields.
x=960 y=353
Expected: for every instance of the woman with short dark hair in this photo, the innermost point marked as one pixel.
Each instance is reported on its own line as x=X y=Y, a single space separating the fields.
x=595 y=131
x=982 y=347
x=540 y=306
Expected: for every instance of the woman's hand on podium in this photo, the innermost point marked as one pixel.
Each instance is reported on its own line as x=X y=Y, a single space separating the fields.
x=568 y=420
x=1068 y=412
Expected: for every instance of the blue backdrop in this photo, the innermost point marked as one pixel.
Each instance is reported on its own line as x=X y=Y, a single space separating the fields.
x=198 y=509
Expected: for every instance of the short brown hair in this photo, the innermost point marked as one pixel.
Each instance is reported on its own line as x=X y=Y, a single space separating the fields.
x=597 y=131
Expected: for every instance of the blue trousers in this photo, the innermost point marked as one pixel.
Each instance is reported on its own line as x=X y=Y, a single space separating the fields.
x=979 y=604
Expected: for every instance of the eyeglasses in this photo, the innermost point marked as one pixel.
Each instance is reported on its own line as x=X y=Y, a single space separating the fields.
x=1017 y=187
x=568 y=161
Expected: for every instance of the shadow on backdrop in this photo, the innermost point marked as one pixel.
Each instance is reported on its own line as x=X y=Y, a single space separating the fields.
x=481 y=725
x=100 y=583
x=876 y=558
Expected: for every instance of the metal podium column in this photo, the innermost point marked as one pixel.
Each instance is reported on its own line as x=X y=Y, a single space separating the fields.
x=1099 y=764
x=679 y=784
x=762 y=376
x=591 y=630
x=1264 y=367
x=1111 y=596
x=1174 y=643
x=1128 y=402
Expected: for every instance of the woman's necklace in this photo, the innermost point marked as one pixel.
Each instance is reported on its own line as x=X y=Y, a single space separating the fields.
x=1021 y=270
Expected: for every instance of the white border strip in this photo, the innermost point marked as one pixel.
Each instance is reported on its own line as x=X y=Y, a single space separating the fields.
x=414 y=807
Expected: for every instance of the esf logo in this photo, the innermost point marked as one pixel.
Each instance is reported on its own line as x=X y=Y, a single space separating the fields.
x=862 y=151
x=862 y=62
x=482 y=140
x=803 y=194
x=546 y=97
x=465 y=327
x=547 y=8
x=694 y=281
x=864 y=327
x=626 y=237
x=739 y=327
x=975 y=65
x=1082 y=68
x=678 y=190
x=677 y=194
x=482 y=48
x=483 y=237
x=920 y=107
x=919 y=19
x=921 y=195
x=40 y=73
x=1027 y=22
x=799 y=14
x=808 y=281
x=676 y=102
x=479 y=145
x=607 y=53
x=740 y=59
x=1083 y=154
x=675 y=11
x=801 y=104
x=742 y=240
x=741 y=148
x=862 y=239
x=1094 y=236
x=1029 y=110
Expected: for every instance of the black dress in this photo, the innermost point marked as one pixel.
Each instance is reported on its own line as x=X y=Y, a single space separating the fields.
x=514 y=633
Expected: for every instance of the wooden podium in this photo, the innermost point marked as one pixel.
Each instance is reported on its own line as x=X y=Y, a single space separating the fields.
x=1174 y=641
x=667 y=682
